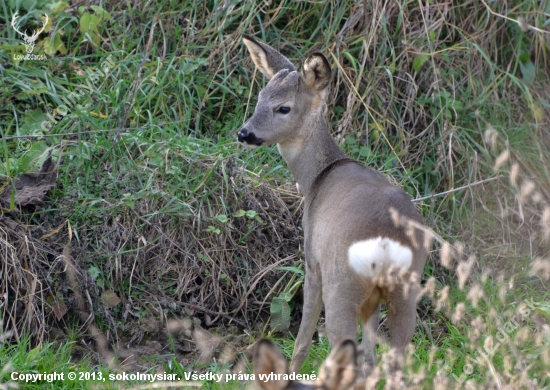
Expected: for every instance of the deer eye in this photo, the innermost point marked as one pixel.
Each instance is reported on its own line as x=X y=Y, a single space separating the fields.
x=284 y=110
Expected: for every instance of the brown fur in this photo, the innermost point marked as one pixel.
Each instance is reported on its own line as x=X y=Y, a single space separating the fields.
x=344 y=204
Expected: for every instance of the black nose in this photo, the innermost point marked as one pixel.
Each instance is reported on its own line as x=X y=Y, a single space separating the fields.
x=242 y=135
x=248 y=137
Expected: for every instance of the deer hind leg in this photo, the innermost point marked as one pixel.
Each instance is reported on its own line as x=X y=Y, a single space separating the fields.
x=313 y=303
x=402 y=322
x=370 y=319
x=341 y=312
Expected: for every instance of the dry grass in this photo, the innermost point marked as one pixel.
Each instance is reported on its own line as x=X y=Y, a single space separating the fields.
x=177 y=264
x=437 y=94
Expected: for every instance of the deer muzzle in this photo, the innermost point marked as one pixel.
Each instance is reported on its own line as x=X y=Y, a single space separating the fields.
x=248 y=137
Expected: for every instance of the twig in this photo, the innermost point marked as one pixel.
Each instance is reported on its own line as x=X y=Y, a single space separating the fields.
x=30 y=136
x=60 y=135
x=132 y=97
x=456 y=189
x=524 y=26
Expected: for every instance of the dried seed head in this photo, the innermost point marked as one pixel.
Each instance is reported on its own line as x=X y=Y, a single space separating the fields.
x=241 y=365
x=410 y=231
x=429 y=287
x=446 y=255
x=546 y=352
x=176 y=327
x=463 y=271
x=490 y=137
x=514 y=173
x=206 y=343
x=501 y=160
x=488 y=346
x=485 y=274
x=502 y=294
x=459 y=313
x=478 y=328
x=428 y=239
x=521 y=337
x=545 y=222
x=525 y=191
x=507 y=363
x=459 y=250
x=541 y=268
x=475 y=294
x=443 y=300
x=441 y=382
x=396 y=217
x=431 y=357
x=227 y=355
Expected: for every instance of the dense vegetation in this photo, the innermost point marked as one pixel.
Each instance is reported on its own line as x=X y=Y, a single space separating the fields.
x=156 y=219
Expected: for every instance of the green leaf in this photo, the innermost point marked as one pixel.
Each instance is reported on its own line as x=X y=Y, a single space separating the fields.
x=100 y=12
x=291 y=269
x=240 y=213
x=419 y=61
x=58 y=45
x=222 y=218
x=94 y=272
x=280 y=314
x=214 y=229
x=88 y=22
x=251 y=214
x=33 y=158
x=525 y=57
x=33 y=354
x=528 y=72
x=285 y=295
x=226 y=279
x=57 y=6
x=52 y=47
x=456 y=105
x=543 y=308
x=203 y=257
x=33 y=120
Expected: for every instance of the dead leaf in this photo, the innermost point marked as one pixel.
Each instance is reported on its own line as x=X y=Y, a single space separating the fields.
x=59 y=307
x=30 y=188
x=110 y=298
x=16 y=227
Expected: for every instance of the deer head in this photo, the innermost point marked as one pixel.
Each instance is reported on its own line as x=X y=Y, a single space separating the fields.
x=29 y=40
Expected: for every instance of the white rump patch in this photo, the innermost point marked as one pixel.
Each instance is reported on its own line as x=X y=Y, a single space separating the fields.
x=370 y=258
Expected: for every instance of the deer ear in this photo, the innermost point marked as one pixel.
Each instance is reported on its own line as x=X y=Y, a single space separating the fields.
x=317 y=72
x=268 y=360
x=340 y=369
x=268 y=60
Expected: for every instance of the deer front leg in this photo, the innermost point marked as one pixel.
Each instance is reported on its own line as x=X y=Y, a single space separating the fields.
x=313 y=304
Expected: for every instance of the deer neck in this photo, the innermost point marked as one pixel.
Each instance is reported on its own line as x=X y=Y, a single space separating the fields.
x=307 y=156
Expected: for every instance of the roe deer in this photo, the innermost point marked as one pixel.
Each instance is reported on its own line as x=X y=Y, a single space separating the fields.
x=338 y=372
x=358 y=250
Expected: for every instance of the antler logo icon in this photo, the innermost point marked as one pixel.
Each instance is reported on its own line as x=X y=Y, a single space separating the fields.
x=29 y=40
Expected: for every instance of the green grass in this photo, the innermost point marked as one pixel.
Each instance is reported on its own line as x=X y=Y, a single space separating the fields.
x=151 y=179
x=21 y=361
